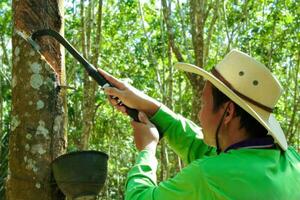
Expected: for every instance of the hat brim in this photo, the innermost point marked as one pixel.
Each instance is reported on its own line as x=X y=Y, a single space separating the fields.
x=267 y=119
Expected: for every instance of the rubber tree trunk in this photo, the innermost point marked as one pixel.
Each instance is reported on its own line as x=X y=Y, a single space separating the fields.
x=38 y=114
x=1 y=109
x=91 y=49
x=88 y=103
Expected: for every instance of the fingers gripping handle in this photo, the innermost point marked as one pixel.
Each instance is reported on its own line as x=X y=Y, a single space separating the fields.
x=133 y=113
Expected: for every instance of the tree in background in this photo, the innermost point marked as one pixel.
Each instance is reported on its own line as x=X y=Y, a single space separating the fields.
x=91 y=47
x=5 y=94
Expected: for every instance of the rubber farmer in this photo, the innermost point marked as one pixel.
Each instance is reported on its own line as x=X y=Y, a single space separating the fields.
x=239 y=152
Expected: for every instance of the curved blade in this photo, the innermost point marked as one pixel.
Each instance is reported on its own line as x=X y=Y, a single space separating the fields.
x=26 y=37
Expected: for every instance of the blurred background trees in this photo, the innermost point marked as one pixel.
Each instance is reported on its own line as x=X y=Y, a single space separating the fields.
x=139 y=41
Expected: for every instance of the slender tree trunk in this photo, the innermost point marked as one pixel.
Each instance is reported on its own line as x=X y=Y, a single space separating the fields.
x=90 y=86
x=199 y=11
x=4 y=83
x=88 y=95
x=183 y=33
x=197 y=14
x=291 y=131
x=1 y=123
x=180 y=92
x=197 y=24
x=4 y=50
x=210 y=30
x=168 y=100
x=171 y=41
x=170 y=32
x=1 y=110
x=95 y=57
x=89 y=22
x=38 y=115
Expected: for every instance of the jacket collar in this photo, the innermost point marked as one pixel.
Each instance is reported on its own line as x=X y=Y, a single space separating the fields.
x=253 y=143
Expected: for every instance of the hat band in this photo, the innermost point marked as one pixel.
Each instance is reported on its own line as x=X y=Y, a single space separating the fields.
x=222 y=79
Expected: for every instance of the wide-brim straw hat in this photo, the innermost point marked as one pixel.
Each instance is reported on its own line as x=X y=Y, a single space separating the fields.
x=250 y=85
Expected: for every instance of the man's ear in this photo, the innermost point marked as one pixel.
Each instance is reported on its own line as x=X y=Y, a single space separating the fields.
x=229 y=112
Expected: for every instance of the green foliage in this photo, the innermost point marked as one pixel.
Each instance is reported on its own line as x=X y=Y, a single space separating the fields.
x=3 y=163
x=5 y=88
x=137 y=51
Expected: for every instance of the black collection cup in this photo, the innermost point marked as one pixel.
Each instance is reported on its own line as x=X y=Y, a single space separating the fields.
x=80 y=173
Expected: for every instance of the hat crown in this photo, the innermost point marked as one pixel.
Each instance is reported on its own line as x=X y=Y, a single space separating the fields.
x=250 y=78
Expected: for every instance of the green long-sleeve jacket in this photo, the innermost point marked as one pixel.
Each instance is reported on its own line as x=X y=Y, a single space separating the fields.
x=237 y=174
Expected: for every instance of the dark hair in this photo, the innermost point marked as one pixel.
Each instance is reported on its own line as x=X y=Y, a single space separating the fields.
x=252 y=126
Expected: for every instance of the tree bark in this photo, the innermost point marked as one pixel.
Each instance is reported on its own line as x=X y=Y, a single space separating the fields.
x=183 y=32
x=38 y=114
x=291 y=131
x=1 y=111
x=1 y=130
x=197 y=31
x=197 y=16
x=210 y=30
x=4 y=49
x=95 y=49
x=170 y=32
x=90 y=86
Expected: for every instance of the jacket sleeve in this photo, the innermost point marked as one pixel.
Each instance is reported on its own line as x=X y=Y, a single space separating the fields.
x=141 y=184
x=184 y=137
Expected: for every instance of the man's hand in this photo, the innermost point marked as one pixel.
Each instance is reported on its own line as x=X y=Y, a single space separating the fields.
x=129 y=96
x=146 y=135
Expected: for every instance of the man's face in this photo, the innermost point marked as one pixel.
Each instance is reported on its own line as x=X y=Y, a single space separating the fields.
x=208 y=119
